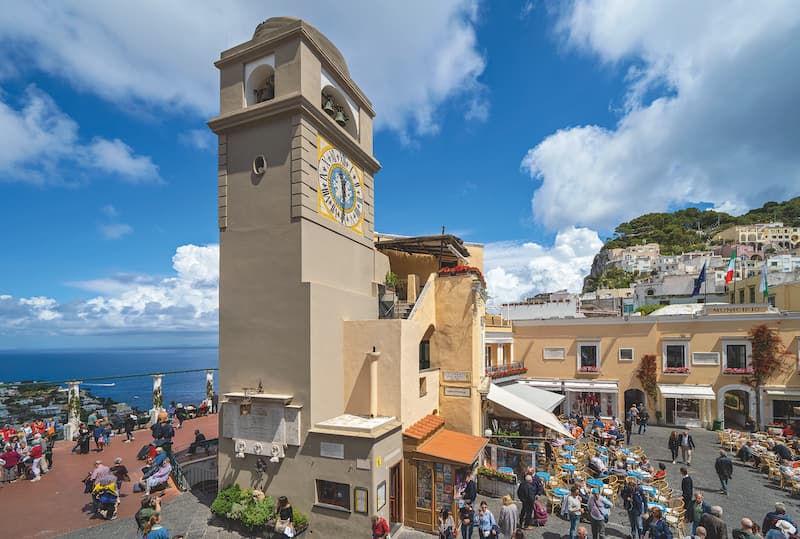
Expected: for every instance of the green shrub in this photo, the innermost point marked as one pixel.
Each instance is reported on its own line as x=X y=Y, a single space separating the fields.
x=300 y=520
x=225 y=499
x=258 y=512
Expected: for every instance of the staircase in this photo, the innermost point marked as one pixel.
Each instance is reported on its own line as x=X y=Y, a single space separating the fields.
x=402 y=309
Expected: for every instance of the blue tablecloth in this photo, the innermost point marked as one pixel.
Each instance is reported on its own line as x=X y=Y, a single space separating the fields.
x=631 y=460
x=560 y=491
x=651 y=505
x=566 y=454
x=544 y=476
x=626 y=451
x=594 y=482
x=569 y=447
x=638 y=475
x=506 y=469
x=568 y=467
x=649 y=490
x=602 y=449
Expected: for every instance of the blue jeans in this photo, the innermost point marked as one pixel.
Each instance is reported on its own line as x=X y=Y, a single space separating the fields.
x=642 y=426
x=466 y=531
x=694 y=527
x=724 y=482
x=574 y=520
x=637 y=527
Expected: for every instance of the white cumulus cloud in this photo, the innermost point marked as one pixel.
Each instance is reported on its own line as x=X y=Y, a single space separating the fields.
x=408 y=57
x=709 y=112
x=515 y=270
x=187 y=301
x=37 y=138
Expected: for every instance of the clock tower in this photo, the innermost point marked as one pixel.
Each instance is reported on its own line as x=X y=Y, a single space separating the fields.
x=296 y=221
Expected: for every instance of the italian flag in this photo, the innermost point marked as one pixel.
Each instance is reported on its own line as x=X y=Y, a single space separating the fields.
x=731 y=267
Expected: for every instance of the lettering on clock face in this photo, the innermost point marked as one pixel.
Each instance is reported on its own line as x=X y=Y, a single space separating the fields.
x=340 y=188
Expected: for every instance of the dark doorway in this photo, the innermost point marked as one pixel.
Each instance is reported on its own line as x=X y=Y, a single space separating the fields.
x=634 y=396
x=737 y=406
x=395 y=494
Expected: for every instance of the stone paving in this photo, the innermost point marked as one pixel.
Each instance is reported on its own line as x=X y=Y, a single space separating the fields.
x=750 y=495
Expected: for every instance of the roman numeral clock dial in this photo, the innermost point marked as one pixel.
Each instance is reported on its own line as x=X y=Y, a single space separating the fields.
x=340 y=194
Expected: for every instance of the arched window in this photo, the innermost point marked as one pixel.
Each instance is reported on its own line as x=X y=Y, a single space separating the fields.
x=336 y=105
x=260 y=85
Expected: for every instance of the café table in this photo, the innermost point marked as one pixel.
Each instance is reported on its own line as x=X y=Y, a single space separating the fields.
x=544 y=476
x=594 y=482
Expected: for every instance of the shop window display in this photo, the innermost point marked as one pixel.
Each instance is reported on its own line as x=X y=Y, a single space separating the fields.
x=591 y=403
x=424 y=485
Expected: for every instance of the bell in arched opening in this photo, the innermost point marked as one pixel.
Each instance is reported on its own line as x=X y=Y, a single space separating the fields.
x=340 y=117
x=328 y=105
x=267 y=91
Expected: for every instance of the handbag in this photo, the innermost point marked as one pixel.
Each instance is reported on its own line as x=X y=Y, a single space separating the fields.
x=282 y=524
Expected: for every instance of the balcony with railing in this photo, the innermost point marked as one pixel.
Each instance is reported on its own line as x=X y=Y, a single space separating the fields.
x=507 y=369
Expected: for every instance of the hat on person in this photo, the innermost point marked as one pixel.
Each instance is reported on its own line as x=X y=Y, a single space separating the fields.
x=180 y=404
x=98 y=462
x=786 y=526
x=117 y=460
x=780 y=506
x=197 y=431
x=159 y=449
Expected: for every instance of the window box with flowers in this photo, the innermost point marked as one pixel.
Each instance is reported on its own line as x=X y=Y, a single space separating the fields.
x=676 y=370
x=733 y=370
x=589 y=370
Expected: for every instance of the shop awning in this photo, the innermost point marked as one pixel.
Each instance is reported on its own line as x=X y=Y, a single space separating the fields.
x=520 y=406
x=573 y=385
x=453 y=446
x=546 y=400
x=783 y=392
x=685 y=391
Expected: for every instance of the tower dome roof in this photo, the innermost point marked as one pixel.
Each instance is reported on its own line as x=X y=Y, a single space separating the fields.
x=275 y=25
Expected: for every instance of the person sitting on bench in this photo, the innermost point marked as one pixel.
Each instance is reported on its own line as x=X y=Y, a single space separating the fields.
x=199 y=441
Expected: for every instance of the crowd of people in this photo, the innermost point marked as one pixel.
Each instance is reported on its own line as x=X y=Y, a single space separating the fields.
x=27 y=452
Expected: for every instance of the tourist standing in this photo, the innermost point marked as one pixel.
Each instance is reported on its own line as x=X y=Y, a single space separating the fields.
x=466 y=515
x=628 y=426
x=696 y=510
x=598 y=512
x=713 y=523
x=508 y=517
x=154 y=530
x=782 y=530
x=687 y=489
x=724 y=468
x=285 y=515
x=574 y=510
x=180 y=414
x=633 y=499
x=644 y=417
x=129 y=425
x=36 y=453
x=674 y=443
x=120 y=471
x=470 y=490
x=446 y=525
x=657 y=526
x=49 y=444
x=526 y=496
x=687 y=446
x=486 y=521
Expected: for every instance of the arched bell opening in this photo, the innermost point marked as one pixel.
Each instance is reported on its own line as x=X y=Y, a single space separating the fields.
x=335 y=105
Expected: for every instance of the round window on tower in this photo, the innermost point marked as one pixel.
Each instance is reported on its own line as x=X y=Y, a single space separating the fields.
x=259 y=165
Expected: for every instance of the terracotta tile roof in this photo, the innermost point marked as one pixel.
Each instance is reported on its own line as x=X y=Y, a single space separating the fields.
x=424 y=427
x=453 y=446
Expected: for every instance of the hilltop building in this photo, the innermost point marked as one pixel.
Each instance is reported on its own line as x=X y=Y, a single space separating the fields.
x=641 y=258
x=760 y=236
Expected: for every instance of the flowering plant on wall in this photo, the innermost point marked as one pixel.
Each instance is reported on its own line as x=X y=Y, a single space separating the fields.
x=589 y=369
x=495 y=474
x=676 y=370
x=646 y=373
x=744 y=370
x=457 y=270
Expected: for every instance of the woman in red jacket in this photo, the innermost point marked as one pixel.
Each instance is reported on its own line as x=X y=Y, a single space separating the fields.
x=36 y=453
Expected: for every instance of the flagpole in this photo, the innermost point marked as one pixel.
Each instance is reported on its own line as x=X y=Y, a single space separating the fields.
x=734 y=276
x=705 y=293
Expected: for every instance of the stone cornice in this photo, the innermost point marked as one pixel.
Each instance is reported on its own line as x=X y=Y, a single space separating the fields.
x=295 y=103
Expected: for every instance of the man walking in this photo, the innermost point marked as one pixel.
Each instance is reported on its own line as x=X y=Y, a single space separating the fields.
x=724 y=467
x=598 y=512
x=687 y=445
x=633 y=499
x=687 y=490
x=746 y=531
x=629 y=425
x=696 y=510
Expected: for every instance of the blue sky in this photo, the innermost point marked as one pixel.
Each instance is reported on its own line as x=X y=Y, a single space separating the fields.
x=532 y=127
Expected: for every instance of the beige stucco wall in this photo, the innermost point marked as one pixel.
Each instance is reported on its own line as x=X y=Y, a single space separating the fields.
x=647 y=335
x=787 y=296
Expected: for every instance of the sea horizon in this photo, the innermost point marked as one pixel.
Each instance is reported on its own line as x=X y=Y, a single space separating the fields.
x=58 y=365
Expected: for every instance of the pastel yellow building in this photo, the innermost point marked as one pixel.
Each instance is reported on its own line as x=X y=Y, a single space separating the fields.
x=700 y=358
x=783 y=291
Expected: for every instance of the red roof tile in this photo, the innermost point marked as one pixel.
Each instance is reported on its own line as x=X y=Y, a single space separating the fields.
x=424 y=427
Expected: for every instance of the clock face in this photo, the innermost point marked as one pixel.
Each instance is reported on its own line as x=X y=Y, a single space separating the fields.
x=340 y=193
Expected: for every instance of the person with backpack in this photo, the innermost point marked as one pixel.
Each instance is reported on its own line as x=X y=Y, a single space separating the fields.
x=129 y=425
x=598 y=513
x=150 y=506
x=633 y=499
x=773 y=517
x=466 y=516
x=657 y=527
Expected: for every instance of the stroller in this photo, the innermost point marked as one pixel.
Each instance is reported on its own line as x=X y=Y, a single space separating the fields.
x=83 y=442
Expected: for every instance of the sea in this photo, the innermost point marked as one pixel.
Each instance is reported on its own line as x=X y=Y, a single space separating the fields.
x=60 y=365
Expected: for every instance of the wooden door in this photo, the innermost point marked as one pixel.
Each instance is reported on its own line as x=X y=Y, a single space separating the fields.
x=395 y=494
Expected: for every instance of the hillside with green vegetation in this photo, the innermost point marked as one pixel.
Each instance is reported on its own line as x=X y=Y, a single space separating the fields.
x=691 y=229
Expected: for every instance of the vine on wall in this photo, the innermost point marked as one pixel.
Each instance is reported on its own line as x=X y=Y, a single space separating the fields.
x=647 y=374
x=158 y=398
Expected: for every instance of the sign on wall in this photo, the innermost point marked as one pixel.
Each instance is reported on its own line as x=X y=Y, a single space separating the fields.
x=457 y=376
x=457 y=391
x=331 y=450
